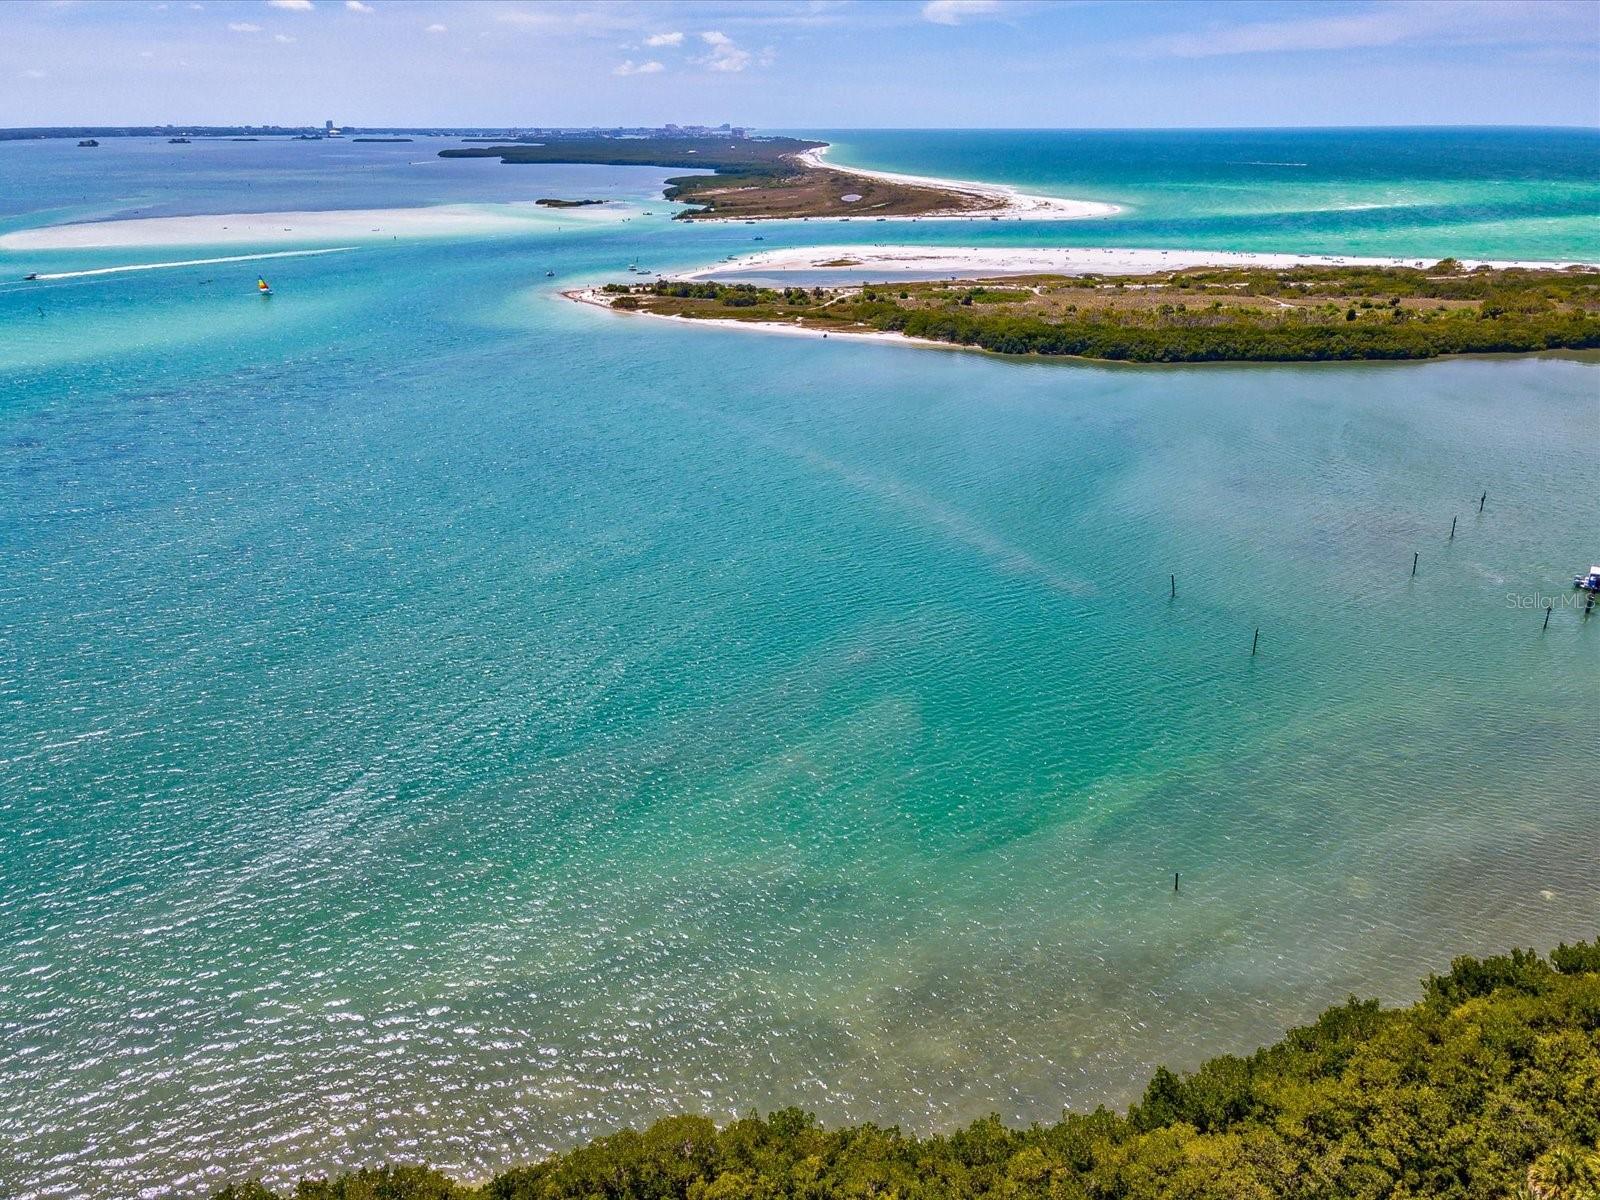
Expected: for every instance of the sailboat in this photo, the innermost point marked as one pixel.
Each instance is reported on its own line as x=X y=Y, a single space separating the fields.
x=262 y=287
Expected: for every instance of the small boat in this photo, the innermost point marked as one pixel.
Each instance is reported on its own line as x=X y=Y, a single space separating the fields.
x=549 y=274
x=178 y=141
x=35 y=275
x=1589 y=582
x=263 y=287
x=88 y=142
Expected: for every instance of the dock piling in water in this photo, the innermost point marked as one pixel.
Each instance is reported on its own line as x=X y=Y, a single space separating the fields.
x=1481 y=500
x=1415 y=554
x=1453 y=521
x=1174 y=881
x=1255 y=641
x=1546 y=625
x=1174 y=579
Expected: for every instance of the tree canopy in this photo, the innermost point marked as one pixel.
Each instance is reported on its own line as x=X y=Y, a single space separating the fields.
x=1486 y=1088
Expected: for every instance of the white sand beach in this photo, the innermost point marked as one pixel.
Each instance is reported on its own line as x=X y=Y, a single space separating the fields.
x=334 y=225
x=597 y=299
x=869 y=262
x=1003 y=201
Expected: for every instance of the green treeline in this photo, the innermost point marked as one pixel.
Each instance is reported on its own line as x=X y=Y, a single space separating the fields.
x=746 y=162
x=1307 y=314
x=1488 y=1088
x=1244 y=340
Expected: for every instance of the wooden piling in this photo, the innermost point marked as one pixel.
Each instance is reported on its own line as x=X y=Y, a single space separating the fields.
x=1174 y=579
x=1453 y=521
x=1481 y=501
x=1174 y=881
x=1415 y=554
x=1256 y=641
x=1547 y=608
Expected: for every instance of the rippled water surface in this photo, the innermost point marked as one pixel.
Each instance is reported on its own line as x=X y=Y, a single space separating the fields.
x=438 y=720
x=1476 y=193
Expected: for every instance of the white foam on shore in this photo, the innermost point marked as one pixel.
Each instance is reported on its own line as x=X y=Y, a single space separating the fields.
x=1001 y=200
x=334 y=225
x=860 y=262
x=188 y=262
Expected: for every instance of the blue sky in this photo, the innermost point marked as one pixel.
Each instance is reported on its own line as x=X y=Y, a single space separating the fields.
x=801 y=63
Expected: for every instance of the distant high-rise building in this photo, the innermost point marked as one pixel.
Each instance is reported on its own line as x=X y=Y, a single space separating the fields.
x=327 y=126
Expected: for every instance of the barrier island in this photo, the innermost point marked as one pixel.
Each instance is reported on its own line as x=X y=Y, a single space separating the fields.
x=772 y=178
x=1300 y=314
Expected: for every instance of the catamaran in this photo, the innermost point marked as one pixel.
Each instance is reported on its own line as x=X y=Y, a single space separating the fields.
x=262 y=287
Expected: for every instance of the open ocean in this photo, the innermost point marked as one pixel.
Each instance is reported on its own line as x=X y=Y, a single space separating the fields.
x=441 y=721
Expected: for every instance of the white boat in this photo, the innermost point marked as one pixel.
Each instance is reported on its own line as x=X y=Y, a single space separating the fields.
x=1589 y=582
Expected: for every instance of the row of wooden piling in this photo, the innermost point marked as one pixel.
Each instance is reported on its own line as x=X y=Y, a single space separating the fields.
x=1416 y=558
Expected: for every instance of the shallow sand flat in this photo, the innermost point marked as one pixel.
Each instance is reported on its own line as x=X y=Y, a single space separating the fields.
x=334 y=225
x=858 y=262
x=1006 y=201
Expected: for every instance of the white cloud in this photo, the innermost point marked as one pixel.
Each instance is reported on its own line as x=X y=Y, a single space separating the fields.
x=1457 y=22
x=725 y=55
x=282 y=38
x=357 y=6
x=664 y=39
x=632 y=68
x=588 y=21
x=243 y=27
x=953 y=12
x=35 y=73
x=434 y=29
x=291 y=5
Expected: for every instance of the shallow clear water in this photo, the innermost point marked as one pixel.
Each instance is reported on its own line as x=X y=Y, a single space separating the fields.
x=1482 y=193
x=443 y=721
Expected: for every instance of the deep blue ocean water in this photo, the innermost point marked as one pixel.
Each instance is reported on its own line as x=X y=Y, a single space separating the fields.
x=439 y=720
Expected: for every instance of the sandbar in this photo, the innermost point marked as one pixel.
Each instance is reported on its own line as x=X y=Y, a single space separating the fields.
x=870 y=262
x=1000 y=200
x=280 y=228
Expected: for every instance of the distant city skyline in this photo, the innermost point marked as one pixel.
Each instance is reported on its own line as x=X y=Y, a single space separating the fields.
x=799 y=63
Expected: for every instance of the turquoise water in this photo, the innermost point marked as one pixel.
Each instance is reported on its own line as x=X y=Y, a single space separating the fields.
x=443 y=721
x=1484 y=193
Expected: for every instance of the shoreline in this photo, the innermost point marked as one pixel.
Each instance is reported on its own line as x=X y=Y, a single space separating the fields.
x=595 y=296
x=967 y=261
x=592 y=297
x=1005 y=202
x=279 y=228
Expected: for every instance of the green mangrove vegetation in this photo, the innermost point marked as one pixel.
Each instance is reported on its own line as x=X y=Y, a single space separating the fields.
x=741 y=178
x=1487 y=1088
x=1300 y=314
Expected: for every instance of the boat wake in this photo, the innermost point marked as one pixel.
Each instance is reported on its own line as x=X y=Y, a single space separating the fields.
x=187 y=262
